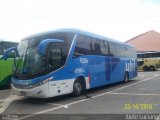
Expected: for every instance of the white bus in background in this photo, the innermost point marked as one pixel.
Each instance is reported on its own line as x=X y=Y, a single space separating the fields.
x=148 y=61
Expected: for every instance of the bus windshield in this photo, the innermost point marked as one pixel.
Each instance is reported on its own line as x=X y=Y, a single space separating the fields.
x=31 y=64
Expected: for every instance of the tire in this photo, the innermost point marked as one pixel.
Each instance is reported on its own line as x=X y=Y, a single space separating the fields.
x=78 y=87
x=126 y=77
x=151 y=68
x=145 y=68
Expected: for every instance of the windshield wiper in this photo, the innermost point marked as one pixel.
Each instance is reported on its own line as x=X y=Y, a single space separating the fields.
x=25 y=57
x=19 y=62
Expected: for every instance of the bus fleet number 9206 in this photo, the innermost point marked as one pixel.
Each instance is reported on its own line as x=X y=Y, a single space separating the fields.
x=69 y=61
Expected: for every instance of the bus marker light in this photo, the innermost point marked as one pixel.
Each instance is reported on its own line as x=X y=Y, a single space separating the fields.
x=51 y=78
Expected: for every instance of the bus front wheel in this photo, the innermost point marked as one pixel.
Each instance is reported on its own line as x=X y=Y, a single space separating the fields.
x=78 y=87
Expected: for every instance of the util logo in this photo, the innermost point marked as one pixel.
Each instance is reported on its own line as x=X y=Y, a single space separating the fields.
x=131 y=65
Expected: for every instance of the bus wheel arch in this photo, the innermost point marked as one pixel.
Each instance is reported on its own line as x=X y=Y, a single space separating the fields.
x=126 y=77
x=79 y=86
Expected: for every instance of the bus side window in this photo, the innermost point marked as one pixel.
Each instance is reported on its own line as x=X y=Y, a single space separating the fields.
x=56 y=56
x=83 y=46
x=104 y=48
x=112 y=48
x=96 y=46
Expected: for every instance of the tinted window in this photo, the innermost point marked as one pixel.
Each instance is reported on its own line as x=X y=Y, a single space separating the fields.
x=91 y=46
x=37 y=65
x=130 y=51
x=83 y=46
x=139 y=63
x=148 y=55
x=104 y=47
x=67 y=37
x=158 y=54
x=120 y=50
x=96 y=46
x=140 y=56
x=56 y=56
x=100 y=47
x=112 y=47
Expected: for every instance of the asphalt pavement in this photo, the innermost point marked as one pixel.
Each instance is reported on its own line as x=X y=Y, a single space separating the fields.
x=137 y=99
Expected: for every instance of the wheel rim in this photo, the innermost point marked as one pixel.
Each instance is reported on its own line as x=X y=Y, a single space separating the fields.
x=126 y=78
x=77 y=88
x=152 y=68
x=145 y=69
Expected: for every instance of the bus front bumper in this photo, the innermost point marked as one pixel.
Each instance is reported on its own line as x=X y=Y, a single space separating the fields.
x=37 y=92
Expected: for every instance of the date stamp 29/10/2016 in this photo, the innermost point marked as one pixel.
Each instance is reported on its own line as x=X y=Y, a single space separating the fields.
x=138 y=106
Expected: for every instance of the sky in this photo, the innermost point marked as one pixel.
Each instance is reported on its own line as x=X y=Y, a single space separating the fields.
x=117 y=19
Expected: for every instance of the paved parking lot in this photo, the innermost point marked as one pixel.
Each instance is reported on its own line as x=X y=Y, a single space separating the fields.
x=139 y=97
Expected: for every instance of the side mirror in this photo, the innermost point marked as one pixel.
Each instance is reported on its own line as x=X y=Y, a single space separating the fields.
x=44 y=43
x=5 y=56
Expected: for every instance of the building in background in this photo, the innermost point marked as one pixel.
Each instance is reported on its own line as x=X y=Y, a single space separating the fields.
x=149 y=41
x=148 y=50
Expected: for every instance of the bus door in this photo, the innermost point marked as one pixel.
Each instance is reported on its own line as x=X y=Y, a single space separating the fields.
x=56 y=59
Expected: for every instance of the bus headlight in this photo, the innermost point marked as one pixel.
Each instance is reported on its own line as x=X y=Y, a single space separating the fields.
x=33 y=85
x=37 y=84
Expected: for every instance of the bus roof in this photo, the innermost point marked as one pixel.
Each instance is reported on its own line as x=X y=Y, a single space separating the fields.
x=77 y=31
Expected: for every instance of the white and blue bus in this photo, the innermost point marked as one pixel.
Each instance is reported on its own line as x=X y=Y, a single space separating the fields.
x=70 y=61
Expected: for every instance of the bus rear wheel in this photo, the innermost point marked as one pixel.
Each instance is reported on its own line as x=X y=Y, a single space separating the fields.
x=126 y=77
x=78 y=87
x=152 y=68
